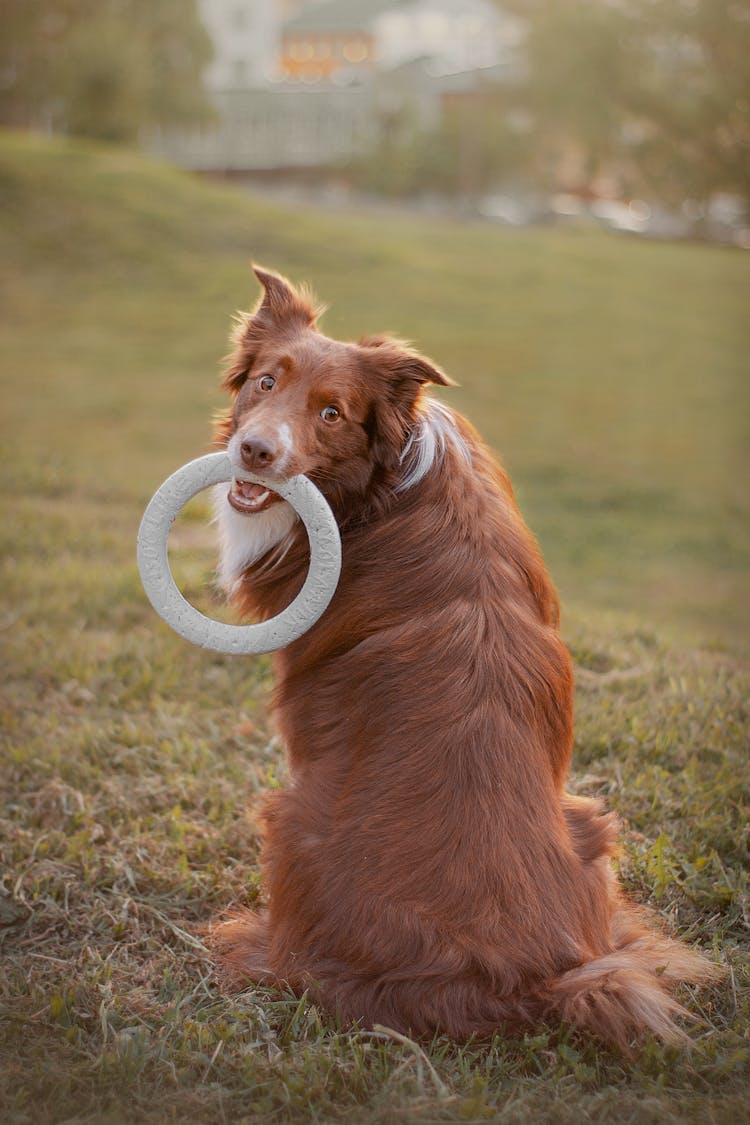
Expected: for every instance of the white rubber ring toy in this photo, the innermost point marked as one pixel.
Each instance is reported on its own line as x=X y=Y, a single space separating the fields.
x=185 y=619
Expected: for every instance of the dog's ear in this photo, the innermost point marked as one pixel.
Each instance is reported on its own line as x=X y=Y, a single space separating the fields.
x=398 y=373
x=403 y=365
x=282 y=303
x=281 y=308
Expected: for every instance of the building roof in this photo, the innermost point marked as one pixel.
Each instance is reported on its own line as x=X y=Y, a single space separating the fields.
x=340 y=15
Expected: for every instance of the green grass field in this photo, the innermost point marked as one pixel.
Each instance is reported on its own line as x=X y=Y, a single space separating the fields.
x=612 y=376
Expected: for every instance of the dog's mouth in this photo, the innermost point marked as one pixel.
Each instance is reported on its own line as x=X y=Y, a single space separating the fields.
x=247 y=497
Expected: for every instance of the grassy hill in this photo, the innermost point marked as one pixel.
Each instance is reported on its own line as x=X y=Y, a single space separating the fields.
x=610 y=373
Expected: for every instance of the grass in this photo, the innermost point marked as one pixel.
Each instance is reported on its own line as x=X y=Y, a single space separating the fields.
x=609 y=373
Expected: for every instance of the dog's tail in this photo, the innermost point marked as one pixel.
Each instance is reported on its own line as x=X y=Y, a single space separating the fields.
x=627 y=993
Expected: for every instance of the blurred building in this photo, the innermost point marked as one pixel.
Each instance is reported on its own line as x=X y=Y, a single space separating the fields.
x=307 y=83
x=338 y=39
x=245 y=36
x=275 y=129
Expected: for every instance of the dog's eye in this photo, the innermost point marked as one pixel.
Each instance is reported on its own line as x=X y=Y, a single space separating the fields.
x=330 y=414
x=266 y=383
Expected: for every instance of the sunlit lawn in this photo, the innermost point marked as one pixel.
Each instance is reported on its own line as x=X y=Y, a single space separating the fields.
x=612 y=376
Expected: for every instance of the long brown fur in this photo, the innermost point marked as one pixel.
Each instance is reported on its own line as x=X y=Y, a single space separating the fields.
x=425 y=869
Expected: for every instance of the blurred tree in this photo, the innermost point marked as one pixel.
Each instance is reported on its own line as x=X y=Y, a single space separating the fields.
x=651 y=94
x=691 y=102
x=102 y=68
x=479 y=148
x=658 y=90
x=579 y=58
x=470 y=153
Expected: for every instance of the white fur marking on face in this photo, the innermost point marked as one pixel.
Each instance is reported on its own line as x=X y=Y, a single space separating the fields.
x=428 y=441
x=243 y=539
x=287 y=445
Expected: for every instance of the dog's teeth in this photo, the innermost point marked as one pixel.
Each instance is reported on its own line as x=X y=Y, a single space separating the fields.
x=249 y=501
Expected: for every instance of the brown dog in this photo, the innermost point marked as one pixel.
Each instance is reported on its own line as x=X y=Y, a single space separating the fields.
x=424 y=868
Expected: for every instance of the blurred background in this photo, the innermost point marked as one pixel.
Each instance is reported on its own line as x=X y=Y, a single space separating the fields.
x=549 y=196
x=632 y=114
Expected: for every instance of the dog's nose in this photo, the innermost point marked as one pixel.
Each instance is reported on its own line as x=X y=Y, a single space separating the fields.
x=257 y=453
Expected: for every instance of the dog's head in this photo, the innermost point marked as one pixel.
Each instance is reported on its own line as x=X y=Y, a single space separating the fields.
x=340 y=413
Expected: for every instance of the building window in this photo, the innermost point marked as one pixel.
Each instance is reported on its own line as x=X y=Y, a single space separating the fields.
x=301 y=50
x=356 y=51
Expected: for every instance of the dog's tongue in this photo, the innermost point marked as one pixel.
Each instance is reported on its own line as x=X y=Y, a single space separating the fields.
x=249 y=490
